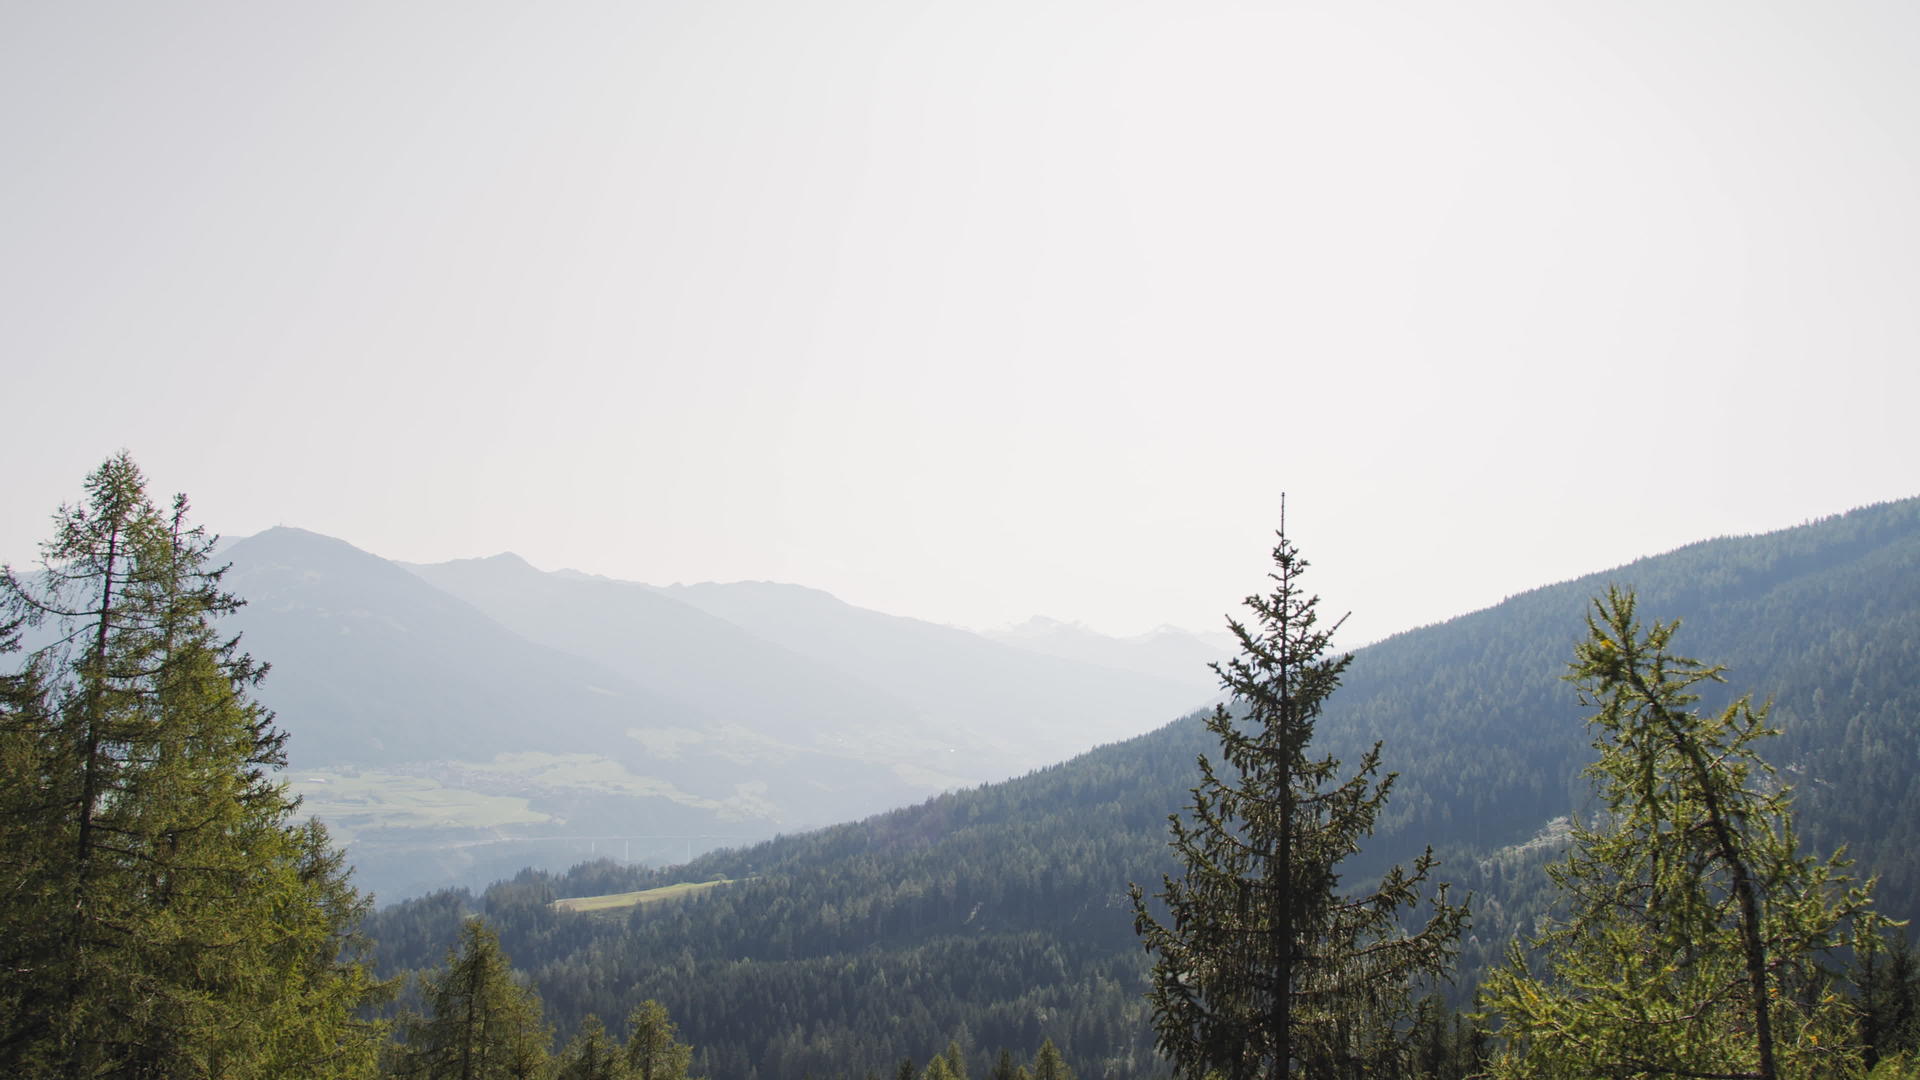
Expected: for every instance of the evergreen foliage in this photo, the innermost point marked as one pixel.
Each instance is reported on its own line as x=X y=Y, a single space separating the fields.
x=1001 y=911
x=1446 y=1045
x=163 y=915
x=592 y=1055
x=1886 y=979
x=1049 y=1065
x=1265 y=968
x=1696 y=931
x=956 y=1060
x=1004 y=1068
x=480 y=1022
x=654 y=1050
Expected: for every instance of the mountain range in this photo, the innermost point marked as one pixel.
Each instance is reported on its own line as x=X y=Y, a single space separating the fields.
x=998 y=914
x=457 y=721
x=1166 y=651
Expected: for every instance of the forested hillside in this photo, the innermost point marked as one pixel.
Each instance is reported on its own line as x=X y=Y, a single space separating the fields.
x=1001 y=912
x=456 y=722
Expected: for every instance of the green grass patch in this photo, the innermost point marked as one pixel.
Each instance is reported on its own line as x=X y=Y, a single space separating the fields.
x=353 y=802
x=617 y=901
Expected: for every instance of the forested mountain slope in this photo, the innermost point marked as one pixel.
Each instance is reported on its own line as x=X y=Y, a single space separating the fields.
x=459 y=721
x=1000 y=912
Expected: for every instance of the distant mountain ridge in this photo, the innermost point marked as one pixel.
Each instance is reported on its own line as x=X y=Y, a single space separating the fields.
x=458 y=720
x=1037 y=706
x=1168 y=651
x=362 y=642
x=1003 y=907
x=704 y=663
x=824 y=668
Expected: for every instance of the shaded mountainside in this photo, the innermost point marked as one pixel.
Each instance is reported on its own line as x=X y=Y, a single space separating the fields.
x=1037 y=708
x=676 y=650
x=382 y=666
x=1000 y=911
x=801 y=665
x=441 y=745
x=1167 y=651
x=459 y=721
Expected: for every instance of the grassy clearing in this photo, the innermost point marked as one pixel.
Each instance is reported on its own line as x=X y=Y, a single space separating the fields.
x=617 y=901
x=352 y=802
x=582 y=772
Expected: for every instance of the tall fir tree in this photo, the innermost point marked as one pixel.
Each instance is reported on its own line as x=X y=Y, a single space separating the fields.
x=1695 y=935
x=480 y=1022
x=1263 y=968
x=164 y=914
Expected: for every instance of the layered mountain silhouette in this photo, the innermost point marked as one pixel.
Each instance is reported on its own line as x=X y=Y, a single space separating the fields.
x=459 y=720
x=1003 y=907
x=1167 y=651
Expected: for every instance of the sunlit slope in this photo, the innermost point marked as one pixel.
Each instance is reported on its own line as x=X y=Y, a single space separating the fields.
x=615 y=903
x=1002 y=910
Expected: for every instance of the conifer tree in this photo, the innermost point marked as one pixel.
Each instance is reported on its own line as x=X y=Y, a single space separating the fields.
x=1003 y=1066
x=480 y=1023
x=1264 y=969
x=654 y=1049
x=163 y=915
x=592 y=1055
x=1886 y=978
x=1696 y=933
x=1049 y=1065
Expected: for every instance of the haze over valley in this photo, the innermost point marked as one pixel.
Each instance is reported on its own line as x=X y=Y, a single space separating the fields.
x=706 y=527
x=1016 y=890
x=463 y=719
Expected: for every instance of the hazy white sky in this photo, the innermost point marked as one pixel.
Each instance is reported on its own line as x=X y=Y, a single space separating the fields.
x=971 y=309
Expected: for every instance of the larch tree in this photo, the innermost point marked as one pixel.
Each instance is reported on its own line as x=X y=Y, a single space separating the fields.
x=1049 y=1064
x=654 y=1049
x=956 y=1059
x=165 y=914
x=1004 y=1067
x=591 y=1055
x=480 y=1022
x=1695 y=937
x=1263 y=969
